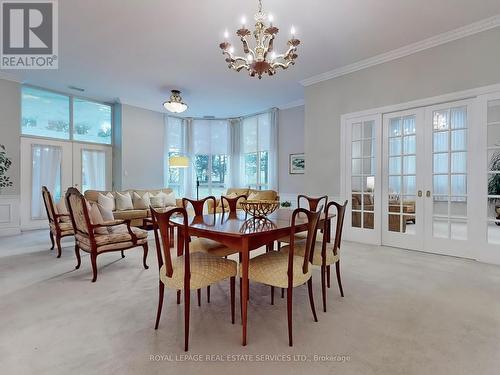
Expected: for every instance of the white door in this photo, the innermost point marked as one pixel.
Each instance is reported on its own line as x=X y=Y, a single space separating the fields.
x=43 y=163
x=403 y=173
x=92 y=166
x=59 y=165
x=426 y=203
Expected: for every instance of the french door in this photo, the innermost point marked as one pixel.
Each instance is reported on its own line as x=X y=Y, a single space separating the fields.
x=59 y=165
x=426 y=172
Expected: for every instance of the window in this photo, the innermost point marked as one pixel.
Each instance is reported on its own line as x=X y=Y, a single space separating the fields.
x=256 y=147
x=47 y=114
x=210 y=140
x=494 y=172
x=91 y=121
x=175 y=130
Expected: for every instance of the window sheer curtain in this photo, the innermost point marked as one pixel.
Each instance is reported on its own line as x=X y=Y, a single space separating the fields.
x=93 y=170
x=46 y=171
x=176 y=144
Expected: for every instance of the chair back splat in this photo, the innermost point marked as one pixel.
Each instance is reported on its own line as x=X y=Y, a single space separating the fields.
x=313 y=202
x=198 y=205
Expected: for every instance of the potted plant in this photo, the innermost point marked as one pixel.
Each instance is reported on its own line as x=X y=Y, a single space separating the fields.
x=494 y=182
x=286 y=204
x=5 y=164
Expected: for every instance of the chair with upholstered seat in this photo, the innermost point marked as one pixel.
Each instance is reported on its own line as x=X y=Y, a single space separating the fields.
x=192 y=270
x=324 y=253
x=59 y=223
x=288 y=270
x=97 y=239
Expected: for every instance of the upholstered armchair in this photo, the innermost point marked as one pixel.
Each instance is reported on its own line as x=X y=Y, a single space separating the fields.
x=59 y=224
x=98 y=238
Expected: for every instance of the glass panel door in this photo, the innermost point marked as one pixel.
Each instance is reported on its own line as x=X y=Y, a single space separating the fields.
x=92 y=166
x=402 y=212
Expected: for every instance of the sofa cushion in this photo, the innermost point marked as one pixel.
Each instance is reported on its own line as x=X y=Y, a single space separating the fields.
x=237 y=191
x=262 y=195
x=123 y=201
x=95 y=214
x=106 y=213
x=140 y=202
x=107 y=201
x=130 y=214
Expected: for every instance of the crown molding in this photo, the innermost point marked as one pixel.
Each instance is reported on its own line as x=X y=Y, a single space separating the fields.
x=9 y=77
x=434 y=41
x=295 y=103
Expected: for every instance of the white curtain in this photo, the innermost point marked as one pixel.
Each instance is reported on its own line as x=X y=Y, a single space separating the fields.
x=176 y=143
x=93 y=170
x=273 y=150
x=235 y=175
x=46 y=171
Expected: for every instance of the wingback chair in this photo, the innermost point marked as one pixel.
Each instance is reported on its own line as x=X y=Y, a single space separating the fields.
x=59 y=224
x=96 y=239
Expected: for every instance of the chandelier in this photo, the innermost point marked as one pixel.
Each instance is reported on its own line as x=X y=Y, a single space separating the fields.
x=175 y=103
x=261 y=59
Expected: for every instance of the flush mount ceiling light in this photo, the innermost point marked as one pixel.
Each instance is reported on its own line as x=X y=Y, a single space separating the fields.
x=175 y=103
x=261 y=59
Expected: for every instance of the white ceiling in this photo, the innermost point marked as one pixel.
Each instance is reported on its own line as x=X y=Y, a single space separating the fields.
x=137 y=51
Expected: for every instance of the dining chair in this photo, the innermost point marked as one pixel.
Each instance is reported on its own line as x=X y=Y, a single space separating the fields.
x=192 y=270
x=59 y=224
x=96 y=239
x=204 y=244
x=286 y=269
x=330 y=253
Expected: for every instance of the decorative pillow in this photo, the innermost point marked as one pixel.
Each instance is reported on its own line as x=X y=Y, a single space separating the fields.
x=123 y=202
x=107 y=201
x=169 y=199
x=230 y=196
x=95 y=214
x=61 y=207
x=253 y=197
x=140 y=203
x=156 y=201
x=106 y=214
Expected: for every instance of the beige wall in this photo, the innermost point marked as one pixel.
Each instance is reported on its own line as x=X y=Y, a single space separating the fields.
x=290 y=141
x=142 y=152
x=10 y=128
x=459 y=65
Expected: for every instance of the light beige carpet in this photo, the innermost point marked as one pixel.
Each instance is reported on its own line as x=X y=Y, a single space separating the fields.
x=404 y=313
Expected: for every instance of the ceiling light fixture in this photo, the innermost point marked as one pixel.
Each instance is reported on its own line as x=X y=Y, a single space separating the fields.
x=175 y=103
x=261 y=59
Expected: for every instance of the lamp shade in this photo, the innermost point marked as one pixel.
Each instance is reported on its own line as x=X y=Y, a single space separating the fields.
x=178 y=162
x=175 y=103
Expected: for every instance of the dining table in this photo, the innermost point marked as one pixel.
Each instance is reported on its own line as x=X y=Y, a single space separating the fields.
x=245 y=233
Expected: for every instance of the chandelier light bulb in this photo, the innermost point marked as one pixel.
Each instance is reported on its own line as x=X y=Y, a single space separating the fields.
x=250 y=57
x=231 y=49
x=273 y=55
x=243 y=21
x=226 y=34
x=270 y=18
x=292 y=31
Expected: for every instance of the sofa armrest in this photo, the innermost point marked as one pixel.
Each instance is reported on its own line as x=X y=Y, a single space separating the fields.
x=178 y=202
x=210 y=204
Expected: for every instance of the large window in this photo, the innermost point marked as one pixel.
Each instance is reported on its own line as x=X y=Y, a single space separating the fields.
x=210 y=141
x=257 y=144
x=47 y=114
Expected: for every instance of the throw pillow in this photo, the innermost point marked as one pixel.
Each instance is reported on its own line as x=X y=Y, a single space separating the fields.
x=169 y=199
x=107 y=201
x=123 y=202
x=230 y=196
x=107 y=214
x=95 y=214
x=156 y=201
x=140 y=203
x=61 y=207
x=253 y=197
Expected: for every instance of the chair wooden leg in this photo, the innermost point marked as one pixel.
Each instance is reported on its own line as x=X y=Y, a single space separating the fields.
x=52 y=240
x=123 y=254
x=272 y=295
x=178 y=297
x=289 y=293
x=78 y=259
x=58 y=241
x=328 y=276
x=160 y=303
x=208 y=294
x=282 y=293
x=232 y=287
x=311 y=298
x=323 y=286
x=145 y=256
x=198 y=292
x=337 y=269
x=93 y=260
x=187 y=300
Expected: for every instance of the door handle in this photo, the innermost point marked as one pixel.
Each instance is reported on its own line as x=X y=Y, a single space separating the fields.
x=428 y=193
x=420 y=193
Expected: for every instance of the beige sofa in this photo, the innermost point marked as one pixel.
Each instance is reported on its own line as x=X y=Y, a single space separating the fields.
x=136 y=216
x=270 y=195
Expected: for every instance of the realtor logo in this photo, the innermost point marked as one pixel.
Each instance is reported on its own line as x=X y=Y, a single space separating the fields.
x=29 y=34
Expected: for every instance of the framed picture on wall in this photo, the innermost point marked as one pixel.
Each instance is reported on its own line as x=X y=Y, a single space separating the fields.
x=297 y=164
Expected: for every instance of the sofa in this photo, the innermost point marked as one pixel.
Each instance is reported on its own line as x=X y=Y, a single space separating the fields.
x=135 y=215
x=259 y=195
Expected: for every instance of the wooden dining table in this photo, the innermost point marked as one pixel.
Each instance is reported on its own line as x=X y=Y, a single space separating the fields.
x=239 y=231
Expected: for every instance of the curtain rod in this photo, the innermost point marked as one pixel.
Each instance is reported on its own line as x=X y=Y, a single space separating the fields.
x=223 y=118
